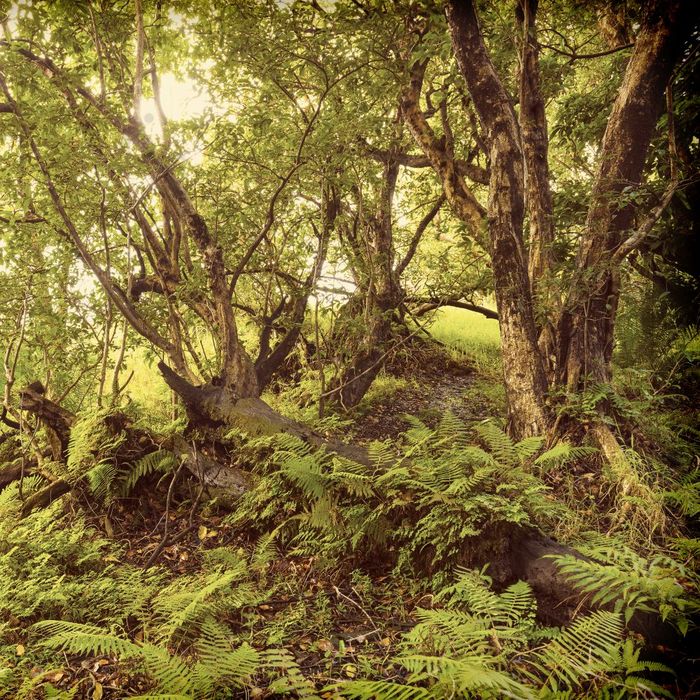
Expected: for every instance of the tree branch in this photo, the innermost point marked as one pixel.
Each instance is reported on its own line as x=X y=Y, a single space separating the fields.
x=428 y=304
x=422 y=226
x=636 y=239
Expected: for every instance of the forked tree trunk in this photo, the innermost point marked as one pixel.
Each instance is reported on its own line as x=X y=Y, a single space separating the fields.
x=524 y=375
x=366 y=325
x=586 y=326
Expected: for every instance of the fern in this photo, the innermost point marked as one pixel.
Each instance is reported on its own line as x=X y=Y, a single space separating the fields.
x=218 y=665
x=290 y=678
x=562 y=453
x=158 y=461
x=500 y=445
x=466 y=675
x=371 y=690
x=634 y=583
x=89 y=439
x=185 y=603
x=585 y=649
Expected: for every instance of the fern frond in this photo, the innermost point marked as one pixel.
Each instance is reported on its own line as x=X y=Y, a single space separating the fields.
x=499 y=444
x=452 y=430
x=381 y=454
x=218 y=662
x=586 y=648
x=170 y=672
x=471 y=674
x=158 y=461
x=528 y=447
x=290 y=677
x=307 y=473
x=562 y=453
x=384 y=690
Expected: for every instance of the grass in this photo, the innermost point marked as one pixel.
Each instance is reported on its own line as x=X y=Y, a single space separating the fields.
x=469 y=335
x=146 y=389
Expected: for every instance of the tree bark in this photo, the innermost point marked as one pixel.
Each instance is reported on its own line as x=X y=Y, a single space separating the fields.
x=366 y=324
x=524 y=375
x=538 y=194
x=586 y=325
x=270 y=360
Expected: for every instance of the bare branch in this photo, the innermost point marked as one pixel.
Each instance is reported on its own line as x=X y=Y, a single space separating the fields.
x=635 y=240
x=420 y=230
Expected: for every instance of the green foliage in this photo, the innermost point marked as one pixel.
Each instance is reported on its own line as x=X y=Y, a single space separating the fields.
x=439 y=492
x=188 y=601
x=90 y=447
x=49 y=561
x=158 y=461
x=218 y=666
x=617 y=574
x=483 y=644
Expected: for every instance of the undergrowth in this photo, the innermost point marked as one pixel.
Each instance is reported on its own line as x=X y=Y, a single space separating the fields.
x=345 y=580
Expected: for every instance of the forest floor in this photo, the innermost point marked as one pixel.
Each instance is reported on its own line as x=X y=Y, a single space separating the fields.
x=342 y=614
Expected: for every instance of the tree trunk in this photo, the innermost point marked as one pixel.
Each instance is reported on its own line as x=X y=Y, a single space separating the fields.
x=586 y=325
x=270 y=360
x=367 y=322
x=524 y=375
x=538 y=195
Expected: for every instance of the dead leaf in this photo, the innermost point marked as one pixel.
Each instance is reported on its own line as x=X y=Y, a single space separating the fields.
x=97 y=691
x=325 y=645
x=108 y=526
x=202 y=532
x=20 y=650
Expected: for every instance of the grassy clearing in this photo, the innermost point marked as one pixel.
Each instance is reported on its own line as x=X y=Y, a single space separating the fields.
x=469 y=335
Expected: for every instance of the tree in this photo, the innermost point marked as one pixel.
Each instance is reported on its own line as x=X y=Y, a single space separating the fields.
x=584 y=337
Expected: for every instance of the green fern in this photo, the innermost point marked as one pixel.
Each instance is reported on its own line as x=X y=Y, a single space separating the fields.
x=618 y=574
x=217 y=666
x=188 y=601
x=561 y=454
x=158 y=461
x=90 y=441
x=290 y=678
x=583 y=650
x=372 y=690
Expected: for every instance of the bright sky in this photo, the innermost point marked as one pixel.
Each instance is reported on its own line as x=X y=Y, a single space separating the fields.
x=181 y=99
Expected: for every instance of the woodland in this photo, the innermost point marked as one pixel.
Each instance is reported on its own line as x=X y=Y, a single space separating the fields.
x=350 y=349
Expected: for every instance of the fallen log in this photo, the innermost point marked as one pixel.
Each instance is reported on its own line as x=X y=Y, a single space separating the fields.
x=45 y=496
x=15 y=470
x=55 y=419
x=211 y=405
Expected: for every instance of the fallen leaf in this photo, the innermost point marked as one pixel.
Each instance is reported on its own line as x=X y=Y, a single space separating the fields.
x=324 y=645
x=97 y=691
x=202 y=532
x=20 y=650
x=350 y=670
x=108 y=527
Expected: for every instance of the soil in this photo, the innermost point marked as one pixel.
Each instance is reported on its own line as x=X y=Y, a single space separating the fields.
x=436 y=384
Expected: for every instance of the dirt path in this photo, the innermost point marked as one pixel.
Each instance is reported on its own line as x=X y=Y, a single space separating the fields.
x=436 y=384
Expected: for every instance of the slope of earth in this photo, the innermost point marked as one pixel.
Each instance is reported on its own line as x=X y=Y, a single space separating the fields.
x=426 y=383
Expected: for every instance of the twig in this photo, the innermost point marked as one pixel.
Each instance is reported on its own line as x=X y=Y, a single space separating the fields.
x=340 y=594
x=163 y=543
